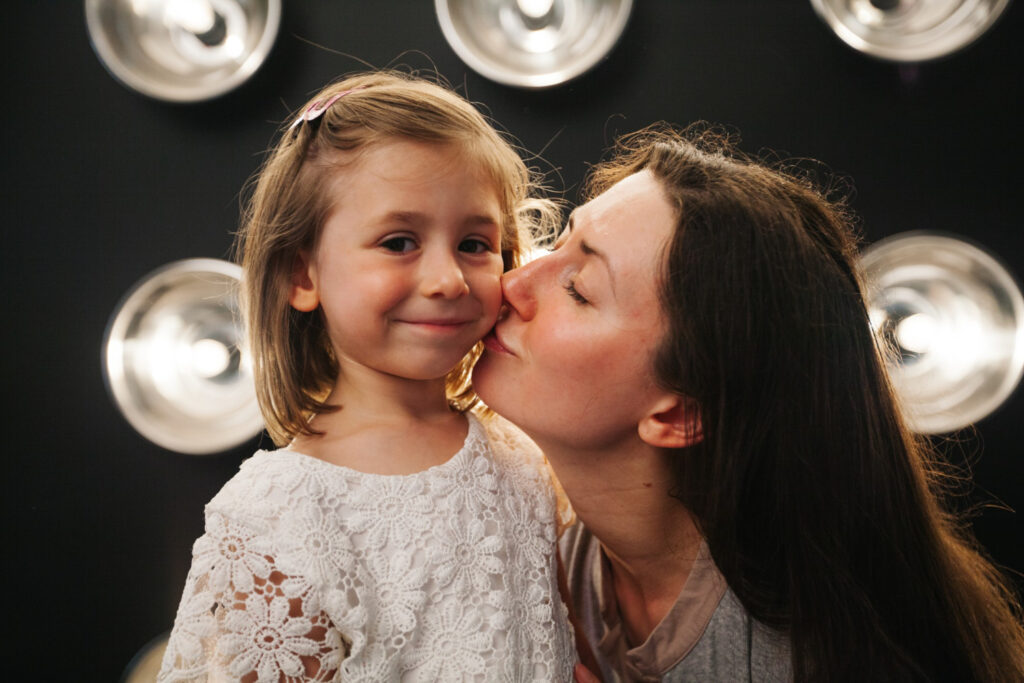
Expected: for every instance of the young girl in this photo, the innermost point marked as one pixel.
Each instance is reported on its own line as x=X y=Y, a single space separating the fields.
x=396 y=536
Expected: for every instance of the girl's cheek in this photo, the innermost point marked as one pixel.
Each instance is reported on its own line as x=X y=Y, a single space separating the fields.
x=490 y=279
x=494 y=296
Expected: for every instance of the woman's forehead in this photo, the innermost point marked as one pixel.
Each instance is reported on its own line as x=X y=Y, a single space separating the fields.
x=634 y=210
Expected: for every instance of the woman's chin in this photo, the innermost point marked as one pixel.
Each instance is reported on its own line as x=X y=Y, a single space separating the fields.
x=483 y=377
x=492 y=383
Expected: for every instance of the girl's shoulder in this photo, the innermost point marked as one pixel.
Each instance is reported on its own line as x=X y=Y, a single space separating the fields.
x=272 y=484
x=508 y=443
x=518 y=456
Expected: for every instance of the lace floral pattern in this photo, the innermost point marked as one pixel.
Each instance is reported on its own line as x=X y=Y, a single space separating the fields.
x=308 y=571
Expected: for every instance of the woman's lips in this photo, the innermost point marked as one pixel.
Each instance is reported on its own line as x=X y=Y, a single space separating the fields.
x=493 y=343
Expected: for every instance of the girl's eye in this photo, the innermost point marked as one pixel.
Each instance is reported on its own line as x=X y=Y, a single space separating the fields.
x=570 y=287
x=399 y=245
x=474 y=246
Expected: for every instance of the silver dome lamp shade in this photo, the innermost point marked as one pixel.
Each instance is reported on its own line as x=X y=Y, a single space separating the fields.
x=532 y=43
x=953 y=319
x=182 y=50
x=909 y=30
x=174 y=360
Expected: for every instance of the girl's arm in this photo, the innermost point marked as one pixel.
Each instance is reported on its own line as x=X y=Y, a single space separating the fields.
x=241 y=618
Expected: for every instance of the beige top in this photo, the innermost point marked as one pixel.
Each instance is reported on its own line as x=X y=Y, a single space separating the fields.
x=676 y=634
x=706 y=635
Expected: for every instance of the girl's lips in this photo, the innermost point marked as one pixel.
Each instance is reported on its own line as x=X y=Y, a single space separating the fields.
x=435 y=321
x=438 y=326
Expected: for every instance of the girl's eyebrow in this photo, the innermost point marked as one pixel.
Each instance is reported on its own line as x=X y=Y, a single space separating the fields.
x=481 y=219
x=418 y=218
x=407 y=217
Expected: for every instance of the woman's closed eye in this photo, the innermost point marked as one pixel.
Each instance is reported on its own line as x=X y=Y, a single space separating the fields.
x=570 y=287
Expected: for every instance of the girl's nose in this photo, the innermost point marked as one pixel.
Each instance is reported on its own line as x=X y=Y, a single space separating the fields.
x=518 y=287
x=442 y=277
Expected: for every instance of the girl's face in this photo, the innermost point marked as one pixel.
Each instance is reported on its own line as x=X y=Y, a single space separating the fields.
x=407 y=270
x=571 y=361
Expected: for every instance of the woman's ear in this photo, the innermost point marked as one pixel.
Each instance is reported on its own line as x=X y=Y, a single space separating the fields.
x=304 y=296
x=673 y=422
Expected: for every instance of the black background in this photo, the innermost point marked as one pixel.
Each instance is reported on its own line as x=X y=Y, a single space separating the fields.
x=102 y=185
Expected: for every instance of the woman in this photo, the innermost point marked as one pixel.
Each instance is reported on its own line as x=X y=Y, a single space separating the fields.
x=695 y=359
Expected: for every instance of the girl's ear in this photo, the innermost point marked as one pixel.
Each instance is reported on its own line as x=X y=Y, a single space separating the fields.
x=673 y=422
x=304 y=295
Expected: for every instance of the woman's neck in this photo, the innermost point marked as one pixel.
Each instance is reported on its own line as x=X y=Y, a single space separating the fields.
x=649 y=538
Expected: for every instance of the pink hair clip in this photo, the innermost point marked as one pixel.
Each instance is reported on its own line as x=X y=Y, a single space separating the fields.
x=315 y=110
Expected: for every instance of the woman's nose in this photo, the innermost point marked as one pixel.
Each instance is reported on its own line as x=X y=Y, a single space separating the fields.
x=443 y=277
x=517 y=287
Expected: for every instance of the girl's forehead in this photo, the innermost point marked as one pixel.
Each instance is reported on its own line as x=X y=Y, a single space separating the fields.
x=393 y=152
x=412 y=164
x=393 y=170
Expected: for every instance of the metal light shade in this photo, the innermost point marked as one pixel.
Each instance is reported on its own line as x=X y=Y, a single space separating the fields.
x=182 y=50
x=955 y=319
x=174 y=362
x=532 y=43
x=909 y=30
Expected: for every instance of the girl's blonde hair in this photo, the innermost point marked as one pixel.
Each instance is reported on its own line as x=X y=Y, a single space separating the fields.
x=293 y=363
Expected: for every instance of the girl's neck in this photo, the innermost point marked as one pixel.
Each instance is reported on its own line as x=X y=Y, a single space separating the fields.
x=385 y=424
x=649 y=538
x=368 y=395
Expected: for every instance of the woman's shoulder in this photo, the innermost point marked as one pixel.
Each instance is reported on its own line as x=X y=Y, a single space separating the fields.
x=736 y=646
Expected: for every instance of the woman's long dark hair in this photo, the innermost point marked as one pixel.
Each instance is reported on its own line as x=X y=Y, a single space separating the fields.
x=823 y=512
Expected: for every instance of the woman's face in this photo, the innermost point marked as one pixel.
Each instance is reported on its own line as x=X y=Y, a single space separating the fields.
x=571 y=361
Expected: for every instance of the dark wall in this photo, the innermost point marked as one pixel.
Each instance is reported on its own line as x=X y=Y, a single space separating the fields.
x=103 y=185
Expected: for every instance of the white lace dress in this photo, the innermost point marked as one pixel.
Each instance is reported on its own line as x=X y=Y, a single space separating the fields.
x=310 y=571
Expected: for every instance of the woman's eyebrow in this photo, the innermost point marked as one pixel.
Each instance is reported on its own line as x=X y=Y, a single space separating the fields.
x=590 y=250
